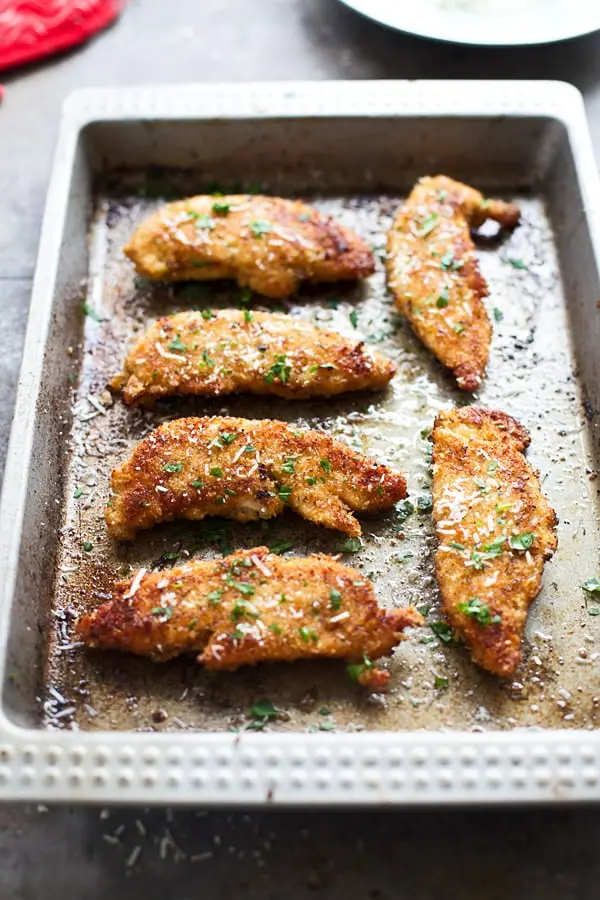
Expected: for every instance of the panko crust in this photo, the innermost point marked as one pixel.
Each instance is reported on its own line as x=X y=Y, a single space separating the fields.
x=212 y=353
x=434 y=275
x=247 y=608
x=495 y=530
x=266 y=243
x=246 y=469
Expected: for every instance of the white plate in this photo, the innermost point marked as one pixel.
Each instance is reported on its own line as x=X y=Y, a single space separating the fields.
x=487 y=22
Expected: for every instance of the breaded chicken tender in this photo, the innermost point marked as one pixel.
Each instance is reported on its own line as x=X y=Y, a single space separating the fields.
x=245 y=470
x=251 y=607
x=495 y=530
x=266 y=243
x=231 y=351
x=433 y=272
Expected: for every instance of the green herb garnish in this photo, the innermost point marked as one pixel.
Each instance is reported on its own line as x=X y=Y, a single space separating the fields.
x=284 y=492
x=259 y=228
x=442 y=630
x=325 y=465
x=173 y=467
x=177 y=344
x=428 y=224
x=216 y=471
x=476 y=609
x=403 y=510
x=336 y=598
x=204 y=222
x=424 y=503
x=443 y=299
x=521 y=541
x=281 y=546
x=280 y=369
x=307 y=634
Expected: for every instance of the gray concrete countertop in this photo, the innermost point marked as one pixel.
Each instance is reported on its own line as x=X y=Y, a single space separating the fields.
x=391 y=855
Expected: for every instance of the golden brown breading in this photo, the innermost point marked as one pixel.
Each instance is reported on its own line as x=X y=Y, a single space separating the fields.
x=245 y=470
x=495 y=530
x=247 y=608
x=267 y=243
x=433 y=272
x=231 y=351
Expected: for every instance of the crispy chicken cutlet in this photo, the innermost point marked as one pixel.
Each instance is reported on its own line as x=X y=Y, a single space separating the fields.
x=251 y=607
x=433 y=272
x=245 y=470
x=267 y=243
x=231 y=351
x=495 y=530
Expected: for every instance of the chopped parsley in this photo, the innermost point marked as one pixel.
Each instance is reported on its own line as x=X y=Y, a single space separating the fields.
x=456 y=546
x=404 y=509
x=515 y=263
x=308 y=634
x=204 y=222
x=221 y=208
x=592 y=586
x=424 y=503
x=206 y=360
x=280 y=369
x=207 y=314
x=261 y=713
x=87 y=309
x=481 y=485
x=173 y=467
x=498 y=314
x=440 y=682
x=487 y=552
x=442 y=630
x=427 y=225
x=289 y=465
x=492 y=466
x=281 y=546
x=247 y=315
x=87 y=546
x=336 y=598
x=476 y=609
x=77 y=493
x=177 y=344
x=325 y=465
x=355 y=670
x=284 y=492
x=227 y=436
x=260 y=227
x=521 y=541
x=198 y=483
x=166 y=611
x=447 y=262
x=458 y=329
x=353 y=316
x=350 y=545
x=276 y=629
x=215 y=596
x=443 y=299
x=216 y=471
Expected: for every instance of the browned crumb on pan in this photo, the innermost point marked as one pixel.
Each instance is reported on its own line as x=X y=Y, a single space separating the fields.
x=267 y=243
x=251 y=607
x=246 y=469
x=434 y=275
x=232 y=351
x=495 y=530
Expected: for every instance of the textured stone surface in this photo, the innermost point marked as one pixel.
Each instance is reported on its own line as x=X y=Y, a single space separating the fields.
x=425 y=855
